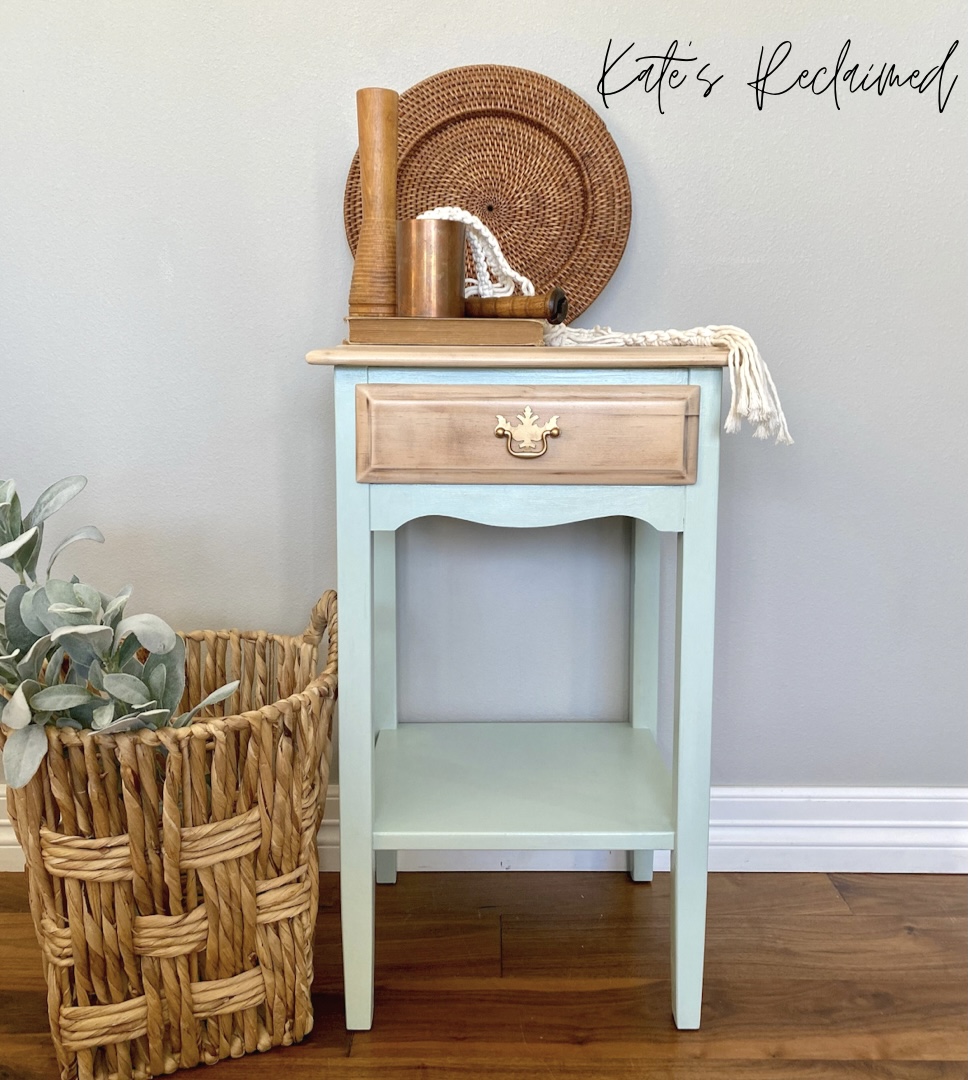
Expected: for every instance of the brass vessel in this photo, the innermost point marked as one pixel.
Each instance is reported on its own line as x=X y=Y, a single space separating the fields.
x=430 y=268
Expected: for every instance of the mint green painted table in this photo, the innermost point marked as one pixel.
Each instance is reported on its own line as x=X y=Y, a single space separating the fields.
x=500 y=786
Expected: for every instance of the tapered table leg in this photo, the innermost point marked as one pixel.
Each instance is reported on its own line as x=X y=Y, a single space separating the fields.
x=385 y=661
x=644 y=657
x=691 y=786
x=355 y=584
x=695 y=622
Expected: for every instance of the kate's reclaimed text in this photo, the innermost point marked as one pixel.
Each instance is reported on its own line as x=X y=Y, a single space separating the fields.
x=661 y=74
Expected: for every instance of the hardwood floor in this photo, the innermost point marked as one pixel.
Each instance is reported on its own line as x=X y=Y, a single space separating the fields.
x=566 y=977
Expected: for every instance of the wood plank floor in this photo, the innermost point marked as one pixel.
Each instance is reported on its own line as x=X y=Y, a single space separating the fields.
x=808 y=977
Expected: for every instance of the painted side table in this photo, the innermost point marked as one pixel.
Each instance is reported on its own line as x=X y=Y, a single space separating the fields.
x=525 y=437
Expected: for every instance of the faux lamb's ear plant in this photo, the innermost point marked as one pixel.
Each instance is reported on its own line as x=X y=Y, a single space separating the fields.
x=21 y=538
x=68 y=656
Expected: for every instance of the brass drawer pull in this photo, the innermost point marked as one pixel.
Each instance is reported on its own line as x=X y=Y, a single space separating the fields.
x=527 y=433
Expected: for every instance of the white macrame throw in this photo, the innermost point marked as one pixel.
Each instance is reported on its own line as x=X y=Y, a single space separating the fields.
x=754 y=397
x=753 y=393
x=487 y=255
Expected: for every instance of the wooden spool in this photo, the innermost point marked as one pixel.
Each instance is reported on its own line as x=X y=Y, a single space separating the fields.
x=373 y=285
x=552 y=306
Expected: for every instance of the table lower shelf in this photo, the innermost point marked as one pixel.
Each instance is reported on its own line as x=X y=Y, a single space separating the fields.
x=523 y=786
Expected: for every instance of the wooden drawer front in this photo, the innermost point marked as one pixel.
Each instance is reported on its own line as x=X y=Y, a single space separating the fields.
x=606 y=435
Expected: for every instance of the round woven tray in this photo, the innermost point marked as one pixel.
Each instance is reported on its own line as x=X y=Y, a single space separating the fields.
x=528 y=157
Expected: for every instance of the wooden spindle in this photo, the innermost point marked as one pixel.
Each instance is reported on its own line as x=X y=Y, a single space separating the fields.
x=373 y=285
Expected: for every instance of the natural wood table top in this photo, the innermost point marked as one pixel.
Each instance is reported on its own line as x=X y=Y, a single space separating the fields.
x=515 y=356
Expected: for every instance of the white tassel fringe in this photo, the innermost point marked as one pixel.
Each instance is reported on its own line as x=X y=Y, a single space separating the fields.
x=754 y=397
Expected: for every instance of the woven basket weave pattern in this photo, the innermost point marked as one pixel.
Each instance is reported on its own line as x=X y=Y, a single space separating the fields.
x=173 y=874
x=528 y=157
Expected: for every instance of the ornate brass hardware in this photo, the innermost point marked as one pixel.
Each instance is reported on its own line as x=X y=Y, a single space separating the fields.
x=527 y=433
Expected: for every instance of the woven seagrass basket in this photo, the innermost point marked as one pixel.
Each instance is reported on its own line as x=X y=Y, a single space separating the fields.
x=173 y=874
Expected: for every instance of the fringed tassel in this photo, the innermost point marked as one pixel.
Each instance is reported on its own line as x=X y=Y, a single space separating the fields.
x=753 y=393
x=754 y=396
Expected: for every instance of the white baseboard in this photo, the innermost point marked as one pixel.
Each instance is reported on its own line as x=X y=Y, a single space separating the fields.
x=820 y=830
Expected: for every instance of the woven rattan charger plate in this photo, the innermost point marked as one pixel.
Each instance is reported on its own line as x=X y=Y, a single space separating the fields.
x=528 y=157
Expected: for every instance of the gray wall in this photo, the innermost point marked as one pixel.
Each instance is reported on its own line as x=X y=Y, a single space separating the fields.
x=171 y=244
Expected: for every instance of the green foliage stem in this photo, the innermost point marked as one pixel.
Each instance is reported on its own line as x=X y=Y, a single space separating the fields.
x=68 y=655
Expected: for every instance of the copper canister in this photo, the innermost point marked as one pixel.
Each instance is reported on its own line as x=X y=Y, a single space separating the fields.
x=430 y=268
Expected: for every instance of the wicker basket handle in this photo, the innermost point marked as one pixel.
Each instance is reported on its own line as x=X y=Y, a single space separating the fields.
x=324 y=619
